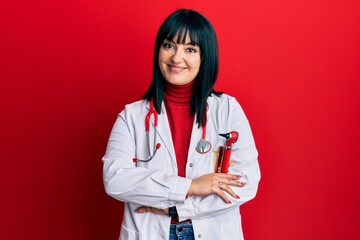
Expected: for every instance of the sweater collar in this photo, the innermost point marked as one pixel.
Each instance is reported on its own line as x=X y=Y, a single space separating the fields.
x=179 y=94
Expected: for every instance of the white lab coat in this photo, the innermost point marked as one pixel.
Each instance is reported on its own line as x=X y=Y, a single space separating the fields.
x=156 y=183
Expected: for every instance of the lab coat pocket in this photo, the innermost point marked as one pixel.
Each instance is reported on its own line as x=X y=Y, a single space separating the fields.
x=215 y=156
x=205 y=164
x=127 y=234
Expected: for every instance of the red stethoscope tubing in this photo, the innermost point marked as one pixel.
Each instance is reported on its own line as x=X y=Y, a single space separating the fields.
x=153 y=112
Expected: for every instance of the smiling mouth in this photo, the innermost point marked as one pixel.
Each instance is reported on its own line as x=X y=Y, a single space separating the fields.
x=175 y=69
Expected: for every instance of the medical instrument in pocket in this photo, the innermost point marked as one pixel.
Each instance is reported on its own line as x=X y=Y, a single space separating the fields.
x=223 y=160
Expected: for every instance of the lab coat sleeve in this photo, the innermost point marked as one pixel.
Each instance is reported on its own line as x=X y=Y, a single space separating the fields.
x=243 y=163
x=127 y=183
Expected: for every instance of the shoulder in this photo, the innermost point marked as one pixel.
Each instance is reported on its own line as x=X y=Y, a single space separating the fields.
x=225 y=105
x=134 y=108
x=136 y=105
x=223 y=100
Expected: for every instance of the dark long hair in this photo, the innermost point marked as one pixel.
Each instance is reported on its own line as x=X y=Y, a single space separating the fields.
x=202 y=33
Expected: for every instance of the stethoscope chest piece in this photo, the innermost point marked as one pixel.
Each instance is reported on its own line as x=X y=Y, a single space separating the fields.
x=203 y=146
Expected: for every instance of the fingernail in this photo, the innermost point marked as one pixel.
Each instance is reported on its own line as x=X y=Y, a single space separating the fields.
x=237 y=197
x=229 y=202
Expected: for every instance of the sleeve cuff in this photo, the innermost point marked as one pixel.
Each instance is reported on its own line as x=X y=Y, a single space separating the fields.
x=185 y=210
x=179 y=189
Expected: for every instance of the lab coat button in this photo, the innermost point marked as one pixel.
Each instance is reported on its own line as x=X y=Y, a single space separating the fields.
x=199 y=235
x=191 y=165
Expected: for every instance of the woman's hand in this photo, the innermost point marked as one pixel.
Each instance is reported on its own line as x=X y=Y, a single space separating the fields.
x=215 y=183
x=145 y=209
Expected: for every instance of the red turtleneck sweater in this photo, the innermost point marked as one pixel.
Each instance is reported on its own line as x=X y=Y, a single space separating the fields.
x=177 y=103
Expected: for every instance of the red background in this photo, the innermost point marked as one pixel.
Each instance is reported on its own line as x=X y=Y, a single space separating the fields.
x=68 y=67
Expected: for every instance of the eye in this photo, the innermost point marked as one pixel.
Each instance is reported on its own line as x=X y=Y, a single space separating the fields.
x=192 y=50
x=167 y=45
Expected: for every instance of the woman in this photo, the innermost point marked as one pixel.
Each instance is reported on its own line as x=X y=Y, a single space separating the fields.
x=166 y=176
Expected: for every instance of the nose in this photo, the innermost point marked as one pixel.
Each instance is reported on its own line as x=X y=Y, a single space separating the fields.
x=177 y=55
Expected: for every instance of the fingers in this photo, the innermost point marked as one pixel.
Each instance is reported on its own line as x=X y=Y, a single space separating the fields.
x=222 y=195
x=226 y=188
x=145 y=209
x=224 y=184
x=231 y=179
x=221 y=189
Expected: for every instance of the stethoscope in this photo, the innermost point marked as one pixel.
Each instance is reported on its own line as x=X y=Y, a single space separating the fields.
x=202 y=147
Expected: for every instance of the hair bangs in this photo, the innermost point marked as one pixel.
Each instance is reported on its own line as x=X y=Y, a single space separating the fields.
x=180 y=31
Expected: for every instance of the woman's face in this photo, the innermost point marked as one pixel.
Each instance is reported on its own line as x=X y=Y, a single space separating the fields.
x=179 y=63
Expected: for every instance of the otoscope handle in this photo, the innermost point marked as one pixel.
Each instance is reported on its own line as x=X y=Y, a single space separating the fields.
x=226 y=161
x=225 y=152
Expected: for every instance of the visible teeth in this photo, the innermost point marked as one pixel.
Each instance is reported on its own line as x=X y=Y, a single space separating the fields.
x=176 y=69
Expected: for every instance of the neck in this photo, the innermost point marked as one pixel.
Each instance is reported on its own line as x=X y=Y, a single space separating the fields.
x=179 y=94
